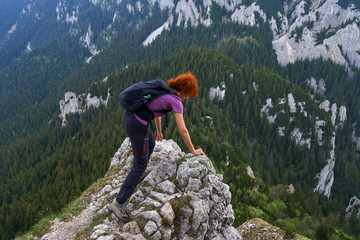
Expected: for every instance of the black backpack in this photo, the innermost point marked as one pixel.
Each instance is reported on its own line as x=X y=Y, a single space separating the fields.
x=135 y=97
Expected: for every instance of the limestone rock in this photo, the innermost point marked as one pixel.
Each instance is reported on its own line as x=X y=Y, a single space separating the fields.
x=131 y=227
x=257 y=229
x=78 y=104
x=354 y=206
x=180 y=197
x=167 y=212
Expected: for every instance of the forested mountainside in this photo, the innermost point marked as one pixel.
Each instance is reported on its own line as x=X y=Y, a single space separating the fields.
x=232 y=129
x=294 y=124
x=69 y=35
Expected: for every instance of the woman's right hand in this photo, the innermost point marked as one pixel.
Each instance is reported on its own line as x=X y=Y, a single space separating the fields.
x=199 y=152
x=159 y=137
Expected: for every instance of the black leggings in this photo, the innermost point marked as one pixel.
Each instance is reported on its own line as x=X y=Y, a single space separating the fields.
x=142 y=144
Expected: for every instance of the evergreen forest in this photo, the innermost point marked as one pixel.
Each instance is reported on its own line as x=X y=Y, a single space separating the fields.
x=44 y=166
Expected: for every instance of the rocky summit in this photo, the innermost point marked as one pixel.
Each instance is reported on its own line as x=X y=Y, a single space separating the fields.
x=180 y=197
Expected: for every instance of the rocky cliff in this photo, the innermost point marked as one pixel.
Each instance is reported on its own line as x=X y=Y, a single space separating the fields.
x=181 y=197
x=299 y=34
x=72 y=103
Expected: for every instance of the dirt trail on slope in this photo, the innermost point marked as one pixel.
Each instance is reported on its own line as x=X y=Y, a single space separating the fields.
x=68 y=230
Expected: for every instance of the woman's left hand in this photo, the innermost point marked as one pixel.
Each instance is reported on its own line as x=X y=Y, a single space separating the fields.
x=199 y=152
x=159 y=137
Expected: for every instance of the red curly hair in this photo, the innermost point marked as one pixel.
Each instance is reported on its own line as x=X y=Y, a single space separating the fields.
x=186 y=84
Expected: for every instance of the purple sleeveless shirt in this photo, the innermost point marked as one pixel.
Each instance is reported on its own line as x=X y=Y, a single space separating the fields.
x=167 y=102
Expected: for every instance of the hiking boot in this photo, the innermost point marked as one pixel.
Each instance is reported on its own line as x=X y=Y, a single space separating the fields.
x=119 y=210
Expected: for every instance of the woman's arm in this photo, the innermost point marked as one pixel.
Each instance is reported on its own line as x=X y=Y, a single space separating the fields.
x=159 y=135
x=185 y=134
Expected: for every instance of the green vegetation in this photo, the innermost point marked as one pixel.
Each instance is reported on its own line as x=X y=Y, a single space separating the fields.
x=177 y=204
x=43 y=226
x=329 y=32
x=345 y=3
x=44 y=166
x=180 y=160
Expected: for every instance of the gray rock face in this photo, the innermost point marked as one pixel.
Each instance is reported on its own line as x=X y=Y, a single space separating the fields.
x=341 y=26
x=78 y=104
x=354 y=205
x=181 y=197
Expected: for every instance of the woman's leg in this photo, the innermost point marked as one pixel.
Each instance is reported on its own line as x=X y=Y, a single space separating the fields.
x=142 y=143
x=151 y=142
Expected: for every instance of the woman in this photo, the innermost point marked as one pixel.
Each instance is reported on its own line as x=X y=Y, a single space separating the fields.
x=143 y=141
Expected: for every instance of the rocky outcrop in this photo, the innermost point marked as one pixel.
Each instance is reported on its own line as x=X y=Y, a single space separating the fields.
x=181 y=197
x=218 y=92
x=326 y=176
x=353 y=207
x=78 y=104
x=258 y=229
x=355 y=138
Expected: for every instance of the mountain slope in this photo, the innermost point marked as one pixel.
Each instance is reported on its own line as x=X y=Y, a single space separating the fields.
x=93 y=28
x=63 y=46
x=78 y=154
